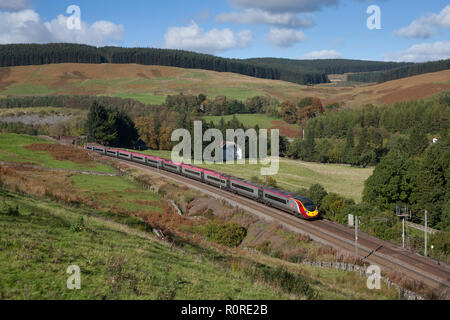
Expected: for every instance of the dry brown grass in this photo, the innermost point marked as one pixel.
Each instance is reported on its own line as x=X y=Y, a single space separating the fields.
x=62 y=152
x=70 y=78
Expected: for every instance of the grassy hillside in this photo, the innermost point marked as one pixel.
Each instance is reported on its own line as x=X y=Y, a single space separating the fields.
x=43 y=239
x=52 y=219
x=39 y=54
x=151 y=84
x=401 y=72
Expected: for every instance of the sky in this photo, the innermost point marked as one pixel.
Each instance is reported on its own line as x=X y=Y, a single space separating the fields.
x=397 y=30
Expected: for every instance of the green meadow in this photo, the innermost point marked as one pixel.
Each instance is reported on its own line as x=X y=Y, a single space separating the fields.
x=12 y=149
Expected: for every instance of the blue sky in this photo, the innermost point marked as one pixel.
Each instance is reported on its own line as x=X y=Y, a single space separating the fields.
x=296 y=29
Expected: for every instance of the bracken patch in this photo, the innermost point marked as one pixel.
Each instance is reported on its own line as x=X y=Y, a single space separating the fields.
x=62 y=152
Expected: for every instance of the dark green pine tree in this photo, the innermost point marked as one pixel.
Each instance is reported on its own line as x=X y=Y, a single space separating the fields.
x=348 y=155
x=391 y=181
x=309 y=147
x=96 y=119
x=417 y=141
x=431 y=185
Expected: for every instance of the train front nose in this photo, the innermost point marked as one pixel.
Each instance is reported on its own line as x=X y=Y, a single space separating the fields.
x=312 y=214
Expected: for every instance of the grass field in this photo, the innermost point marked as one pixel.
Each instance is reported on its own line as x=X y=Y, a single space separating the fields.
x=293 y=175
x=12 y=149
x=151 y=84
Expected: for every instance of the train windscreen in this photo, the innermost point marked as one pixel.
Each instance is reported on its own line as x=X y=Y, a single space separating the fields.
x=307 y=203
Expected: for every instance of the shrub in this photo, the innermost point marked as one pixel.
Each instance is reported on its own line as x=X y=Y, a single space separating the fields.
x=333 y=205
x=441 y=244
x=317 y=193
x=288 y=282
x=9 y=210
x=229 y=234
x=272 y=182
x=78 y=226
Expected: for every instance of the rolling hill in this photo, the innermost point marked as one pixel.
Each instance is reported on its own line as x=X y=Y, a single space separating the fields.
x=151 y=84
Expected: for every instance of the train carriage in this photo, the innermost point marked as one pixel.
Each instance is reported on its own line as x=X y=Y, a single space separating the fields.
x=192 y=172
x=245 y=188
x=100 y=150
x=138 y=158
x=215 y=179
x=154 y=162
x=111 y=153
x=124 y=155
x=171 y=166
x=277 y=199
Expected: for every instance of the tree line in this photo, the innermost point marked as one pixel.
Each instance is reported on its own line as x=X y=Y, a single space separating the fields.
x=362 y=137
x=401 y=72
x=37 y=54
x=329 y=66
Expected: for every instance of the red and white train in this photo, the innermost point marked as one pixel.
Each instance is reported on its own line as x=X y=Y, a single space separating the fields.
x=299 y=206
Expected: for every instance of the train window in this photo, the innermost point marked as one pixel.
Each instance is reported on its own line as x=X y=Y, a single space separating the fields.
x=152 y=161
x=242 y=187
x=213 y=179
x=139 y=158
x=192 y=172
x=124 y=154
x=274 y=198
x=171 y=166
x=111 y=152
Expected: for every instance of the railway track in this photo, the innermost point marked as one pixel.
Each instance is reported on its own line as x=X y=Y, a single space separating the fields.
x=387 y=256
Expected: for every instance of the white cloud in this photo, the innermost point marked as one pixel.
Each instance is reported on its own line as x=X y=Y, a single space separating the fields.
x=442 y=19
x=278 y=6
x=193 y=38
x=258 y=16
x=322 y=54
x=421 y=53
x=284 y=38
x=417 y=29
x=13 y=5
x=424 y=27
x=22 y=27
x=100 y=33
x=26 y=26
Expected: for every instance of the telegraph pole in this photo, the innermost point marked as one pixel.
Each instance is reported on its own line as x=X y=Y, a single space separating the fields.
x=426 y=222
x=356 y=236
x=403 y=232
x=403 y=214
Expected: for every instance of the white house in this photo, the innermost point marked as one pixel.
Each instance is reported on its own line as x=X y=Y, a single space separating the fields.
x=231 y=152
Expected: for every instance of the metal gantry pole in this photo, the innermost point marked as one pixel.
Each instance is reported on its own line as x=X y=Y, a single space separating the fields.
x=356 y=236
x=426 y=222
x=403 y=232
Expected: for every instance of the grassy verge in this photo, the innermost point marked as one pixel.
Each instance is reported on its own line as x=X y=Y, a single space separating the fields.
x=13 y=149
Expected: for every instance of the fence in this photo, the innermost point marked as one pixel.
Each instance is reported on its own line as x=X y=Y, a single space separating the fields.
x=402 y=292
